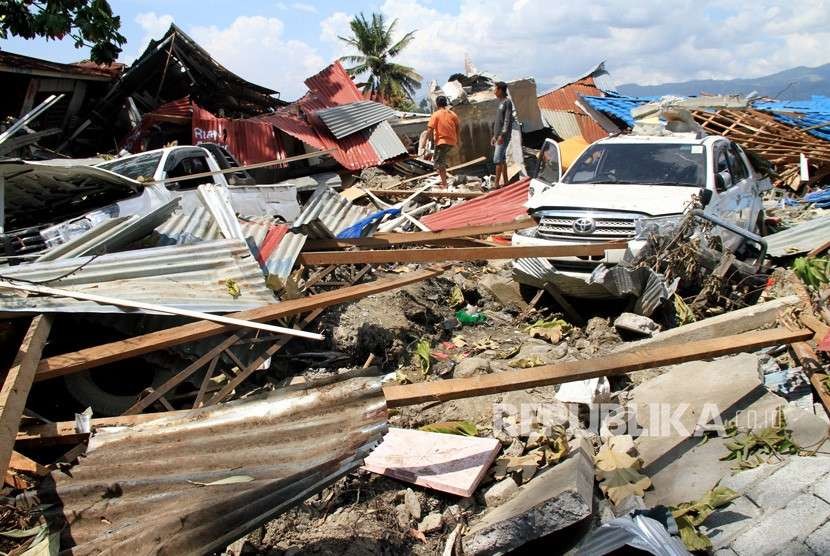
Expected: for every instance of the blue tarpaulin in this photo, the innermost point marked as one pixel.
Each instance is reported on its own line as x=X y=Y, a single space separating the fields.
x=357 y=229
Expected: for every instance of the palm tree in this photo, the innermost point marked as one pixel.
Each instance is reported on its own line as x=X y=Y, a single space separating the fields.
x=385 y=80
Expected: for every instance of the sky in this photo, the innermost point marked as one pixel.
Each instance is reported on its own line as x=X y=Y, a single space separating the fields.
x=278 y=44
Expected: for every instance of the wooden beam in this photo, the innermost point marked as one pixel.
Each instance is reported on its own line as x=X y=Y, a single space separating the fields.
x=807 y=358
x=450 y=169
x=442 y=254
x=17 y=384
x=118 y=302
x=401 y=238
x=96 y=356
x=63 y=432
x=21 y=463
x=434 y=194
x=813 y=323
x=618 y=363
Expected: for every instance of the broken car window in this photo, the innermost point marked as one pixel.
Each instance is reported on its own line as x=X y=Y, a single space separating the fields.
x=186 y=167
x=737 y=167
x=637 y=163
x=136 y=167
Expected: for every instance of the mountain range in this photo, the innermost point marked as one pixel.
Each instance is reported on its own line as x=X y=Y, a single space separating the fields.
x=792 y=84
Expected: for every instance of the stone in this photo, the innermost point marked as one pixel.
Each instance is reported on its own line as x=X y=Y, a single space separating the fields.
x=800 y=474
x=402 y=516
x=500 y=492
x=556 y=498
x=516 y=448
x=808 y=430
x=413 y=505
x=471 y=366
x=672 y=407
x=819 y=540
x=779 y=529
x=534 y=440
x=723 y=526
x=431 y=523
x=588 y=391
x=505 y=290
x=637 y=324
x=451 y=515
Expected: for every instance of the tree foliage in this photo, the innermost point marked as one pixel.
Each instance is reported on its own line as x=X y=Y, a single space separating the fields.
x=385 y=80
x=89 y=23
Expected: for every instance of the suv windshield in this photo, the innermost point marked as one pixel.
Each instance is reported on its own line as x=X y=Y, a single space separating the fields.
x=640 y=163
x=135 y=167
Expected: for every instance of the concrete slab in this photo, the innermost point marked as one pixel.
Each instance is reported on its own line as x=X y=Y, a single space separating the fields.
x=778 y=530
x=445 y=462
x=672 y=406
x=556 y=498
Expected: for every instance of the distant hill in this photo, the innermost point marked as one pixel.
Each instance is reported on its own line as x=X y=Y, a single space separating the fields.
x=796 y=83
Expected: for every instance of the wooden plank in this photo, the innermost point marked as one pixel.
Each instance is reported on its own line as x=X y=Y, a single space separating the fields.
x=63 y=432
x=200 y=395
x=433 y=194
x=445 y=462
x=618 y=363
x=17 y=384
x=401 y=238
x=96 y=356
x=450 y=169
x=813 y=323
x=118 y=302
x=21 y=463
x=809 y=361
x=441 y=254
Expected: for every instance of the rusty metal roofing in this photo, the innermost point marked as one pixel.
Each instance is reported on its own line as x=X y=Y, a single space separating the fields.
x=799 y=239
x=191 y=277
x=564 y=99
x=42 y=191
x=499 y=206
x=112 y=233
x=327 y=213
x=333 y=86
x=139 y=488
x=250 y=141
x=353 y=117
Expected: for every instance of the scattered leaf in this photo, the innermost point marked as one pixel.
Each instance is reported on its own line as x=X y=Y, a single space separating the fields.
x=226 y=481
x=233 y=288
x=44 y=543
x=522 y=468
x=683 y=312
x=527 y=362
x=552 y=329
x=462 y=428
x=690 y=515
x=509 y=353
x=619 y=474
x=813 y=271
x=23 y=533
x=751 y=448
x=457 y=297
x=422 y=351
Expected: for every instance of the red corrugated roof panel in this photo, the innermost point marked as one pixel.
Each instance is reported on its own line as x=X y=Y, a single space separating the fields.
x=564 y=99
x=499 y=206
x=333 y=87
x=249 y=141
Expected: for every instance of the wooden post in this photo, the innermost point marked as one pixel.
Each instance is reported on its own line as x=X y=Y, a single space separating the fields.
x=18 y=382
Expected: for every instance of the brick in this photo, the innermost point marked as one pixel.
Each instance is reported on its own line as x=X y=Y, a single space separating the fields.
x=779 y=529
x=822 y=488
x=796 y=477
x=742 y=481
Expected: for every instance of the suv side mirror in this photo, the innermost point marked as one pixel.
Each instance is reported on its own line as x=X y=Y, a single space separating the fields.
x=705 y=196
x=723 y=180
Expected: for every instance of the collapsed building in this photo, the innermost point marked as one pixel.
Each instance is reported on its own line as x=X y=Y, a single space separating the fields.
x=266 y=327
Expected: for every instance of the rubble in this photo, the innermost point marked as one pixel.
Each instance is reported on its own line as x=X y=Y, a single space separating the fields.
x=225 y=331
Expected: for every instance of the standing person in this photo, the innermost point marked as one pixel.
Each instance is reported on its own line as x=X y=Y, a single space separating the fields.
x=443 y=126
x=502 y=127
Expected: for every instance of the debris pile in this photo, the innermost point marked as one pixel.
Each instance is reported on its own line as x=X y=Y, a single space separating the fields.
x=281 y=334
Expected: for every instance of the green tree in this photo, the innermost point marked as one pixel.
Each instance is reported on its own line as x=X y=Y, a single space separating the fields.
x=88 y=22
x=387 y=81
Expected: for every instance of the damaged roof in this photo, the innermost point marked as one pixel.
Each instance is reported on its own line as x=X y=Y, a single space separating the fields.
x=141 y=489
x=85 y=71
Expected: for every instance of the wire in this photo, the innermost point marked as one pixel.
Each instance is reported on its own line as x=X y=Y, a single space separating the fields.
x=61 y=277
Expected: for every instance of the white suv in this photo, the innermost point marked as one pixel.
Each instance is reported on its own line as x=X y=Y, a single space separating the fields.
x=618 y=180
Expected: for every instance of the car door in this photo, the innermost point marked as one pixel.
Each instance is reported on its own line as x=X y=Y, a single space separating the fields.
x=744 y=184
x=726 y=202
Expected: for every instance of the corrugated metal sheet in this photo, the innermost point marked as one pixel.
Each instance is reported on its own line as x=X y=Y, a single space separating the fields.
x=351 y=118
x=333 y=86
x=563 y=123
x=280 y=262
x=502 y=205
x=112 y=234
x=42 y=191
x=799 y=239
x=802 y=114
x=564 y=99
x=216 y=199
x=385 y=141
x=192 y=277
x=198 y=225
x=132 y=493
x=617 y=106
x=327 y=213
x=250 y=141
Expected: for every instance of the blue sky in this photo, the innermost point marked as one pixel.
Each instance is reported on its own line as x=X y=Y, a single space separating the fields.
x=277 y=44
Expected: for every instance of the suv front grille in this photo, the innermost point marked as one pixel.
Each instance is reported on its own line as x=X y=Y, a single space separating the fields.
x=563 y=225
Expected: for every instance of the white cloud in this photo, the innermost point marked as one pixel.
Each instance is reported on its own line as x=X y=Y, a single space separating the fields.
x=303 y=7
x=645 y=42
x=154 y=27
x=255 y=48
x=334 y=26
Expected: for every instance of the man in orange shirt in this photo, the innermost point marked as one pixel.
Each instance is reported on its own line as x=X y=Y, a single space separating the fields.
x=443 y=126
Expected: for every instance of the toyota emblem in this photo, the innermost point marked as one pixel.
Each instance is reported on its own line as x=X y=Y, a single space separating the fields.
x=584 y=226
